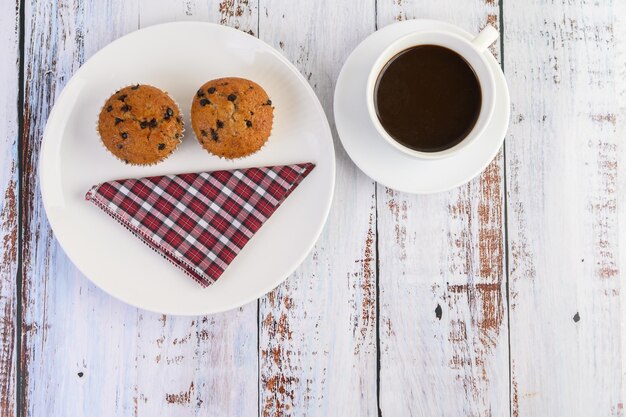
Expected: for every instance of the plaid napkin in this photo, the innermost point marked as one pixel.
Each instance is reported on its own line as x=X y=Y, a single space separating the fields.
x=199 y=221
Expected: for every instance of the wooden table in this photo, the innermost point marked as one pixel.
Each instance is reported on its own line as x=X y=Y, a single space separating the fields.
x=499 y=298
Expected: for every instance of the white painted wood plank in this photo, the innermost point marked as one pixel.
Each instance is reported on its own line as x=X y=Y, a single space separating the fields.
x=84 y=352
x=73 y=336
x=619 y=54
x=9 y=71
x=317 y=334
x=443 y=323
x=210 y=364
x=565 y=157
x=240 y=14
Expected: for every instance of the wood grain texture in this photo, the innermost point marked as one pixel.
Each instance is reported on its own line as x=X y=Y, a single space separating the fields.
x=443 y=322
x=565 y=152
x=9 y=206
x=310 y=349
x=210 y=363
x=619 y=54
x=317 y=334
x=85 y=353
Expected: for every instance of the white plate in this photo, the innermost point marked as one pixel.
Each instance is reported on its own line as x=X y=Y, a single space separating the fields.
x=381 y=161
x=179 y=58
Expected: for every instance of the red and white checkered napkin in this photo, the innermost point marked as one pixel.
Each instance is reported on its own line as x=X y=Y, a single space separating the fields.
x=199 y=221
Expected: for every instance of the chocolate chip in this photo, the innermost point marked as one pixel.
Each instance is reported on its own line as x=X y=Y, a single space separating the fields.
x=134 y=87
x=143 y=124
x=211 y=90
x=251 y=113
x=204 y=102
x=161 y=146
x=169 y=112
x=248 y=123
x=200 y=93
x=268 y=102
x=125 y=108
x=122 y=97
x=124 y=135
x=204 y=133
x=220 y=124
x=214 y=135
x=118 y=121
x=153 y=123
x=232 y=97
x=109 y=108
x=120 y=146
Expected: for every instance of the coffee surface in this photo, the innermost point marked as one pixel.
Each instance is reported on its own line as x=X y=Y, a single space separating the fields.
x=428 y=98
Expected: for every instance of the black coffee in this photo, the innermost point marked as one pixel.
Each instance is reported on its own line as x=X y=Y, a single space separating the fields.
x=427 y=98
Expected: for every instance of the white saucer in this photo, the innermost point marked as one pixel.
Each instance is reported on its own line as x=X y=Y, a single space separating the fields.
x=378 y=159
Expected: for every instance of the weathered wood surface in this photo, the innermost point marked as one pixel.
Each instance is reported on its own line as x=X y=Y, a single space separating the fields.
x=619 y=28
x=565 y=180
x=402 y=307
x=443 y=322
x=9 y=132
x=84 y=353
x=318 y=329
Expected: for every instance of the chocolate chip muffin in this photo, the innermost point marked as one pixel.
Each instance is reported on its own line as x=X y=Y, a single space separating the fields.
x=140 y=124
x=232 y=117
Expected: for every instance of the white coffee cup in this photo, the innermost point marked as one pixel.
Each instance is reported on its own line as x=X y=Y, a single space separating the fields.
x=473 y=51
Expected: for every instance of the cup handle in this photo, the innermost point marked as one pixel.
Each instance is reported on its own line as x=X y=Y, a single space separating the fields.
x=486 y=37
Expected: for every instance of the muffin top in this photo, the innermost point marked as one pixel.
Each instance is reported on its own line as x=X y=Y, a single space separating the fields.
x=232 y=117
x=140 y=124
